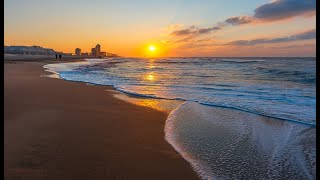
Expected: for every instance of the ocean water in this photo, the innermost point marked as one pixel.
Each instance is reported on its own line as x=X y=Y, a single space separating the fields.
x=283 y=88
x=243 y=118
x=221 y=143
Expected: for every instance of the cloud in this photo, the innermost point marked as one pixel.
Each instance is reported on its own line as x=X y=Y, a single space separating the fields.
x=237 y=20
x=284 y=9
x=186 y=39
x=194 y=31
x=276 y=10
x=310 y=34
x=296 y=46
x=273 y=11
x=183 y=32
x=208 y=30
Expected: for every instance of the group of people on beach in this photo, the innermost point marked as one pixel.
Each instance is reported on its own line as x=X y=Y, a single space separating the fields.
x=60 y=56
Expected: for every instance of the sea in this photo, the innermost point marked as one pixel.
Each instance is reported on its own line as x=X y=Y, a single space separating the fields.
x=237 y=118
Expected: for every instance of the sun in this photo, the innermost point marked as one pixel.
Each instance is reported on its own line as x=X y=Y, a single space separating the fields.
x=152 y=48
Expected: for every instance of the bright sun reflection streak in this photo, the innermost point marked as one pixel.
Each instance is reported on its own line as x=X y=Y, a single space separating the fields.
x=150 y=77
x=151 y=64
x=161 y=105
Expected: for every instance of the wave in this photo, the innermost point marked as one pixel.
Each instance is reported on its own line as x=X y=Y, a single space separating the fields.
x=124 y=90
x=230 y=144
x=212 y=105
x=241 y=60
x=258 y=98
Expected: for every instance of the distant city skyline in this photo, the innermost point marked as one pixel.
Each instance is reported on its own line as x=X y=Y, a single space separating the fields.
x=176 y=27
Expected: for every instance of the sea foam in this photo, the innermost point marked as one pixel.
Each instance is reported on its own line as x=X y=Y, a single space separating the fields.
x=221 y=143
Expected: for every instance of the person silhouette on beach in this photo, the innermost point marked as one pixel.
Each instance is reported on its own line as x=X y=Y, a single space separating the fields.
x=56 y=56
x=60 y=56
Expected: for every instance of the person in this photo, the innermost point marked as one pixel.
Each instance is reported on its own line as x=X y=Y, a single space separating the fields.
x=56 y=56
x=60 y=56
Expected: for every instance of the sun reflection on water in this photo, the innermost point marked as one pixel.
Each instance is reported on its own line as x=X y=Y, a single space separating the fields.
x=150 y=77
x=163 y=105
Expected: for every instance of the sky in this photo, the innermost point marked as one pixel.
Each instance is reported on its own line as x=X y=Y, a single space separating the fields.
x=174 y=27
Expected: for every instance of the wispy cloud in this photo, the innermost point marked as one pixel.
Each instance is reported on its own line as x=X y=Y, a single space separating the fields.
x=238 y=20
x=208 y=30
x=310 y=34
x=277 y=10
x=296 y=46
x=284 y=9
x=305 y=35
x=273 y=11
x=194 y=31
x=184 y=32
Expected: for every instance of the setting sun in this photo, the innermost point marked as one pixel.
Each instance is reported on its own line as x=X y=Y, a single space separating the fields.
x=152 y=48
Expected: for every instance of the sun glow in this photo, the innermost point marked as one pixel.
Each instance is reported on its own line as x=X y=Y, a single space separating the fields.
x=152 y=48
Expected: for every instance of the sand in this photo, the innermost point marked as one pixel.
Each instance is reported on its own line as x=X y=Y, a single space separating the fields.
x=56 y=129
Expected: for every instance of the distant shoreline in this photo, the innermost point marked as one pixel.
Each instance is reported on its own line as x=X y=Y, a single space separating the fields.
x=40 y=57
x=28 y=57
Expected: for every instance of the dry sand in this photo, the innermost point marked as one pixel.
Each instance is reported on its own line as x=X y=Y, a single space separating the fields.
x=55 y=129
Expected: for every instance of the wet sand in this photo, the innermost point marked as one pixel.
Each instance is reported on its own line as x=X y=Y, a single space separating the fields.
x=56 y=129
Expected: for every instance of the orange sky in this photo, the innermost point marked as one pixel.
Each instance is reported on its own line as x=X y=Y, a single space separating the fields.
x=128 y=29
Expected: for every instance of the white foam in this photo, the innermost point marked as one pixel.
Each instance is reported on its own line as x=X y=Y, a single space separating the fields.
x=220 y=142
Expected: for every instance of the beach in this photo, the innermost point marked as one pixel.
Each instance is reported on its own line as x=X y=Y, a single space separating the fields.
x=56 y=129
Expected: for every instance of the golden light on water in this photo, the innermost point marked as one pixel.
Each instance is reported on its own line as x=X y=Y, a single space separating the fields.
x=150 y=77
x=158 y=104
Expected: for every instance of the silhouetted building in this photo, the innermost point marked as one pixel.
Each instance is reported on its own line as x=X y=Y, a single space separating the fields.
x=112 y=55
x=93 y=52
x=103 y=54
x=98 y=50
x=78 y=51
x=85 y=54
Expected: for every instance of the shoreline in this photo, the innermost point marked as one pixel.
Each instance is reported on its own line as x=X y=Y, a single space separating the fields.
x=125 y=140
x=136 y=95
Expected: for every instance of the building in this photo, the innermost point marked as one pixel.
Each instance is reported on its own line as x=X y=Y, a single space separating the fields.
x=36 y=50
x=67 y=54
x=85 y=54
x=93 y=52
x=98 y=50
x=112 y=55
x=78 y=51
x=103 y=54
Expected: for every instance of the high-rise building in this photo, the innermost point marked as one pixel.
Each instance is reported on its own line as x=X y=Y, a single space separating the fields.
x=78 y=51
x=98 y=49
x=93 y=52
